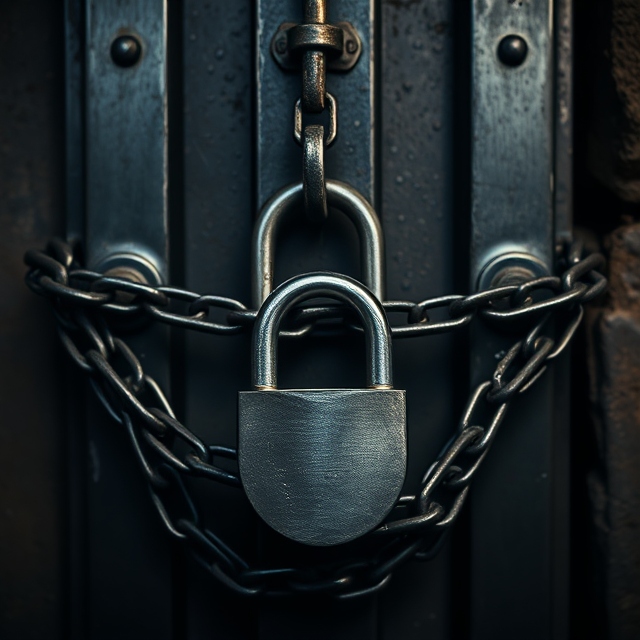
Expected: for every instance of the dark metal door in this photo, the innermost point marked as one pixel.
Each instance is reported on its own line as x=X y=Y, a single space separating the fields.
x=463 y=151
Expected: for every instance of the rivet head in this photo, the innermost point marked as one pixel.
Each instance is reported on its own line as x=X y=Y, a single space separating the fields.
x=125 y=51
x=352 y=46
x=281 y=45
x=512 y=50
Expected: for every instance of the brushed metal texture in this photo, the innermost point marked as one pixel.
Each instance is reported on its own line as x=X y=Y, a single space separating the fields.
x=127 y=135
x=322 y=466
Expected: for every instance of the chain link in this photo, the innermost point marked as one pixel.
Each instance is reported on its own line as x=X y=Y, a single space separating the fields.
x=314 y=39
x=86 y=304
x=186 y=309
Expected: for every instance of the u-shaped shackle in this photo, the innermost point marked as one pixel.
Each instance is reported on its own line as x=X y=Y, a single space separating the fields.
x=327 y=285
x=339 y=195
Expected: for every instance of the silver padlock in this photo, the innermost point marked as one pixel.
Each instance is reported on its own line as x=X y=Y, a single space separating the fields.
x=322 y=466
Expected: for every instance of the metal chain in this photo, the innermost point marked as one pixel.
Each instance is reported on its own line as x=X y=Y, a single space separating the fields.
x=59 y=277
x=88 y=305
x=314 y=39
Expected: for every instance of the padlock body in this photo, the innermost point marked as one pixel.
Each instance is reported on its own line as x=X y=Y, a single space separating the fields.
x=322 y=466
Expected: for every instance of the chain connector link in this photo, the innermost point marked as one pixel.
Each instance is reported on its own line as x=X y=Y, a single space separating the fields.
x=333 y=121
x=336 y=61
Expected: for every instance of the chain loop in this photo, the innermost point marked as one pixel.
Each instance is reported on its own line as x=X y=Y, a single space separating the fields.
x=527 y=374
x=417 y=526
x=471 y=411
x=333 y=121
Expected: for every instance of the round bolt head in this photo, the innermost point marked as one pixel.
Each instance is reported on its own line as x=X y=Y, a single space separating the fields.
x=351 y=46
x=127 y=273
x=509 y=268
x=126 y=51
x=514 y=274
x=512 y=50
x=281 y=45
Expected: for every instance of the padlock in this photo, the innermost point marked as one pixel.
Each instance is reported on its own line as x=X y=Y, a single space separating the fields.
x=322 y=466
x=340 y=196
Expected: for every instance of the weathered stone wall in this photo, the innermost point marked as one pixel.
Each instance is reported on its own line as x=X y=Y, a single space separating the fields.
x=614 y=145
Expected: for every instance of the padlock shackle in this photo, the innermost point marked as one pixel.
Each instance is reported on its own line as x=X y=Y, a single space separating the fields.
x=321 y=285
x=339 y=195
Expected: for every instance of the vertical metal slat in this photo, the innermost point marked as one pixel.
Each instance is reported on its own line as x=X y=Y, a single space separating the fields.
x=514 y=528
x=128 y=569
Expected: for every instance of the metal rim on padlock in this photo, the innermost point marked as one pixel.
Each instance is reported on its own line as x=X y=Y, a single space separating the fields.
x=339 y=195
x=306 y=456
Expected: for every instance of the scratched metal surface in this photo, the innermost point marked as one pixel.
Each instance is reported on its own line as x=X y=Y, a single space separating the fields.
x=513 y=506
x=126 y=210
x=306 y=456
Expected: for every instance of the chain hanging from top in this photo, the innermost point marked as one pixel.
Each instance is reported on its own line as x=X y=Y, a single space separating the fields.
x=315 y=47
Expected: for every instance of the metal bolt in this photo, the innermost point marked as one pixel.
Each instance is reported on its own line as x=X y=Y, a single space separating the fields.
x=512 y=275
x=281 y=45
x=351 y=46
x=126 y=51
x=512 y=50
x=130 y=266
x=127 y=273
x=509 y=268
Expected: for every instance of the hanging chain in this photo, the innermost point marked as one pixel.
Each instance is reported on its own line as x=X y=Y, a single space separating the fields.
x=314 y=39
x=88 y=305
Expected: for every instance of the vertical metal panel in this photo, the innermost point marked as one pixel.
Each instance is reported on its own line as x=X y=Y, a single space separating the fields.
x=217 y=220
x=418 y=182
x=351 y=159
x=74 y=117
x=562 y=462
x=563 y=103
x=302 y=248
x=126 y=117
x=128 y=565
x=512 y=132
x=516 y=528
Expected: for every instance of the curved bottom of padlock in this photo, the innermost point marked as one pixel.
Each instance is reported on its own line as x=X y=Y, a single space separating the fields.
x=322 y=467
